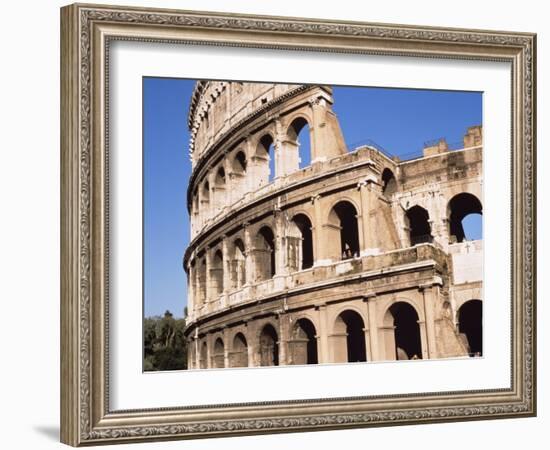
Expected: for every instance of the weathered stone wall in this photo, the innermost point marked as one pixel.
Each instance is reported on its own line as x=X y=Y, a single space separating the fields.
x=357 y=256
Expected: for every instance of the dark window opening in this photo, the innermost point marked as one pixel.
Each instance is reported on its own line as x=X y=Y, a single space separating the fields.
x=389 y=184
x=304 y=226
x=267 y=245
x=269 y=347
x=470 y=317
x=355 y=336
x=239 y=163
x=419 y=225
x=306 y=330
x=407 y=331
x=349 y=231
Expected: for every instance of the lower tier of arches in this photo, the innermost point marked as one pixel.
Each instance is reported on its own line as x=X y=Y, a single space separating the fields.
x=420 y=324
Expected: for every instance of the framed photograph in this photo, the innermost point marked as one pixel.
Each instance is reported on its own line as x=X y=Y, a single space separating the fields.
x=279 y=224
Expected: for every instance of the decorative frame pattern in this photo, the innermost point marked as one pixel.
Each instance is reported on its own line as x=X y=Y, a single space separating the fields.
x=86 y=31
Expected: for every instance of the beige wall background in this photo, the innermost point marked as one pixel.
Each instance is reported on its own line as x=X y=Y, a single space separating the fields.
x=29 y=224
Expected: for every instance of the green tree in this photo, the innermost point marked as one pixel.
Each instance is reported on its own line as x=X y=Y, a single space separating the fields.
x=164 y=343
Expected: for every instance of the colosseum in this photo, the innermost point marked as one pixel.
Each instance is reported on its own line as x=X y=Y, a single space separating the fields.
x=351 y=255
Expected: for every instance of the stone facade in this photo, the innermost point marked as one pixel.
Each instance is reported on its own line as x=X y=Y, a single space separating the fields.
x=358 y=256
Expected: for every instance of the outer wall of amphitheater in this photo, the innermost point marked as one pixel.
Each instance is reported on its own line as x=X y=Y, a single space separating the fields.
x=350 y=255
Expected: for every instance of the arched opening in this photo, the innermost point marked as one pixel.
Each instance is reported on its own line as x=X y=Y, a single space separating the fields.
x=465 y=218
x=220 y=177
x=300 y=243
x=218 y=190
x=350 y=337
x=269 y=347
x=265 y=254
x=216 y=273
x=470 y=316
x=343 y=230
x=238 y=266
x=219 y=354
x=419 y=225
x=238 y=176
x=239 y=163
x=195 y=202
x=299 y=140
x=303 y=345
x=205 y=194
x=239 y=355
x=389 y=184
x=405 y=342
x=203 y=356
x=265 y=154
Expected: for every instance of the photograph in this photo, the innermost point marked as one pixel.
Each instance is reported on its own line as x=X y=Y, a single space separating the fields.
x=254 y=206
x=296 y=224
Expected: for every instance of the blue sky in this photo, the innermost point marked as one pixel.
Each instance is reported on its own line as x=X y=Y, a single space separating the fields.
x=399 y=120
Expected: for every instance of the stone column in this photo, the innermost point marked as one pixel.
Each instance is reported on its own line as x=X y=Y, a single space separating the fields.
x=280 y=253
x=338 y=347
x=368 y=353
x=252 y=347
x=191 y=288
x=226 y=265
x=209 y=295
x=373 y=327
x=318 y=111
x=226 y=345
x=320 y=256
x=424 y=339
x=323 y=349
x=283 y=339
x=388 y=337
x=370 y=222
x=249 y=263
x=209 y=351
x=197 y=349
x=429 y=293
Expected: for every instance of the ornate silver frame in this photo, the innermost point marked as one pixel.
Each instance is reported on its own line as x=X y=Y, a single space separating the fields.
x=86 y=31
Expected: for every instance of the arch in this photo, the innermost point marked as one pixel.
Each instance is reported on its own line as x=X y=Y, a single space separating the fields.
x=349 y=336
x=470 y=320
x=239 y=355
x=402 y=338
x=203 y=356
x=299 y=137
x=418 y=221
x=238 y=264
x=205 y=193
x=343 y=229
x=303 y=345
x=300 y=242
x=239 y=163
x=219 y=353
x=389 y=183
x=264 y=253
x=269 y=346
x=220 y=177
x=460 y=207
x=195 y=202
x=216 y=273
x=265 y=155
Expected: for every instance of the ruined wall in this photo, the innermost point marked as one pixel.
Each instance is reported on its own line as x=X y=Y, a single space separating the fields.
x=324 y=263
